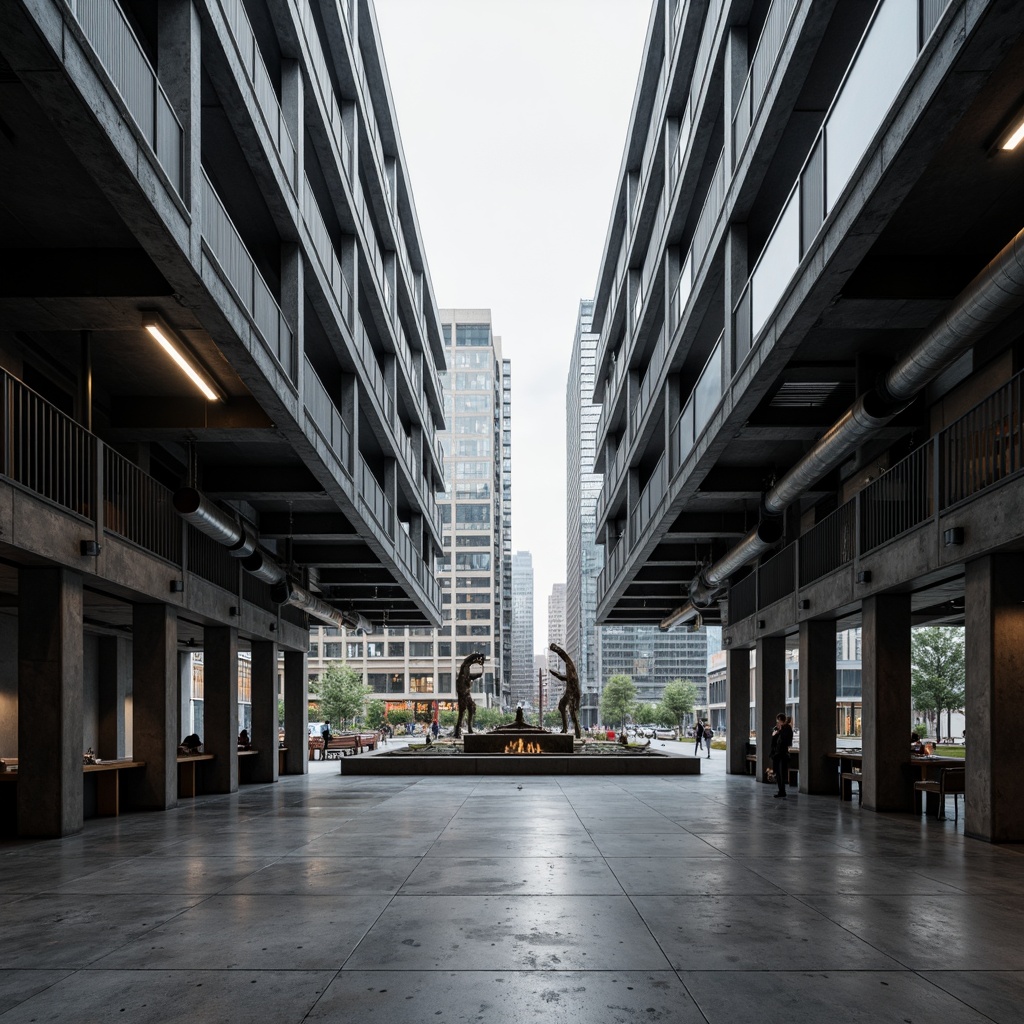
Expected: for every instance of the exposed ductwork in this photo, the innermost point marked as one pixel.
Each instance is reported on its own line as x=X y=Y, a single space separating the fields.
x=988 y=300
x=210 y=519
x=263 y=567
x=287 y=592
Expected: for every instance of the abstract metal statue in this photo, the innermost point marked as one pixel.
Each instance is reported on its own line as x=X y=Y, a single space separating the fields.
x=570 y=701
x=463 y=686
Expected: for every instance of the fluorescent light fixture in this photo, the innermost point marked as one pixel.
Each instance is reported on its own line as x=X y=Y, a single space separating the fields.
x=1016 y=136
x=173 y=346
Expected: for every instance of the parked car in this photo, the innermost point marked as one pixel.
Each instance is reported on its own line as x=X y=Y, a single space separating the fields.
x=666 y=734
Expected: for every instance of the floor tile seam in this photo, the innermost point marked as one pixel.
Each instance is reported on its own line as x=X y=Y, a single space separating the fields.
x=922 y=974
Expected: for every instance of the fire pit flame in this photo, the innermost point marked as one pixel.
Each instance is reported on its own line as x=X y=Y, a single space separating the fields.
x=519 y=747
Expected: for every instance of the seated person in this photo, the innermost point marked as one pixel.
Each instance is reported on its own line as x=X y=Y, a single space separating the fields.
x=243 y=740
x=916 y=746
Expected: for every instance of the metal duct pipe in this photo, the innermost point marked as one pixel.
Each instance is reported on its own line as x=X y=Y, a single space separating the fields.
x=263 y=567
x=995 y=293
x=207 y=517
x=287 y=592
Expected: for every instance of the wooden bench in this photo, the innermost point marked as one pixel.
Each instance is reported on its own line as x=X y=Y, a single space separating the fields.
x=187 y=773
x=342 y=746
x=950 y=780
x=846 y=781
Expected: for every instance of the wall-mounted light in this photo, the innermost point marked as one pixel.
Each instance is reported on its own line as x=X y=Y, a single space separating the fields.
x=233 y=611
x=864 y=576
x=179 y=352
x=177 y=586
x=953 y=537
x=727 y=641
x=273 y=627
x=760 y=623
x=804 y=604
x=89 y=547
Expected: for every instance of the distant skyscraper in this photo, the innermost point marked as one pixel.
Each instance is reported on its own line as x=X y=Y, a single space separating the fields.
x=416 y=667
x=522 y=627
x=556 y=625
x=584 y=558
x=649 y=657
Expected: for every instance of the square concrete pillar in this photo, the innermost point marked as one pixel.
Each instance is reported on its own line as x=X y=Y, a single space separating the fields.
x=115 y=668
x=817 y=706
x=885 y=646
x=296 y=713
x=769 y=696
x=220 y=707
x=264 y=710
x=155 y=704
x=737 y=710
x=994 y=609
x=50 y=702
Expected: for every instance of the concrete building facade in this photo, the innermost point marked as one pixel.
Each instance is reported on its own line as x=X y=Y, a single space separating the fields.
x=416 y=667
x=220 y=353
x=810 y=361
x=556 y=625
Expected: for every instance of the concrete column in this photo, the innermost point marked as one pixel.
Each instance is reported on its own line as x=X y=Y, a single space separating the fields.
x=885 y=647
x=264 y=710
x=115 y=661
x=736 y=273
x=769 y=696
x=817 y=706
x=736 y=67
x=155 y=704
x=179 y=52
x=293 y=306
x=184 y=694
x=50 y=702
x=296 y=713
x=220 y=707
x=994 y=606
x=737 y=710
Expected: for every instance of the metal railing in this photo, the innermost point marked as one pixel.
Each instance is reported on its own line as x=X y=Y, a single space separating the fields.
x=255 y=69
x=776 y=578
x=898 y=500
x=326 y=418
x=46 y=451
x=139 y=509
x=743 y=598
x=984 y=446
x=828 y=545
x=112 y=40
x=210 y=561
x=258 y=593
x=325 y=253
x=239 y=271
x=371 y=495
x=769 y=46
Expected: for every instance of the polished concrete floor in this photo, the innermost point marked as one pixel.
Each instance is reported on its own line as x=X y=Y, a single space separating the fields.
x=497 y=900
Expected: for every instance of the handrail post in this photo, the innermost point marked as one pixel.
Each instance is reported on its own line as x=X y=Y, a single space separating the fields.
x=97 y=487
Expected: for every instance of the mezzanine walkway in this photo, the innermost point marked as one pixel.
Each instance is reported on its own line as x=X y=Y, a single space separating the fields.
x=448 y=899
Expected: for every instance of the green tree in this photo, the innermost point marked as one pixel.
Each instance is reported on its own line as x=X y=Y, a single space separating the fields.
x=617 y=700
x=664 y=715
x=644 y=713
x=448 y=718
x=678 y=699
x=487 y=718
x=375 y=713
x=400 y=716
x=341 y=694
x=937 y=672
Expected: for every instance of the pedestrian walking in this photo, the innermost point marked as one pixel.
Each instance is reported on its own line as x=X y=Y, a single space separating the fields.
x=698 y=735
x=709 y=735
x=782 y=740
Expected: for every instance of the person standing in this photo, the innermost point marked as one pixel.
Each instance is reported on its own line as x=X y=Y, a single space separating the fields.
x=709 y=735
x=782 y=740
x=698 y=735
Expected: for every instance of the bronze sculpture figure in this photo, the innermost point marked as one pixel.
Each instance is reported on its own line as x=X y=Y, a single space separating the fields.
x=570 y=701
x=463 y=686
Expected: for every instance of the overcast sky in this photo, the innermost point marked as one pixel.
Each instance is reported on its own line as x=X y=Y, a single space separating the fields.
x=513 y=117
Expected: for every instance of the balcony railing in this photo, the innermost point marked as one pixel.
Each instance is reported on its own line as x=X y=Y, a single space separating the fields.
x=776 y=578
x=325 y=87
x=897 y=501
x=139 y=509
x=371 y=494
x=703 y=401
x=263 y=88
x=327 y=418
x=239 y=272
x=769 y=46
x=324 y=248
x=885 y=57
x=828 y=545
x=112 y=40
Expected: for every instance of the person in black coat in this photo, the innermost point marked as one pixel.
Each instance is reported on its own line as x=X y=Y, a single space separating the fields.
x=782 y=740
x=698 y=735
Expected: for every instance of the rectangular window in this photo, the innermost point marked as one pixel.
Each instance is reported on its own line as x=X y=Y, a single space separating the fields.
x=396 y=649
x=473 y=540
x=396 y=683
x=464 y=648
x=470 y=490
x=444 y=648
x=479 y=381
x=374 y=649
x=472 y=425
x=421 y=649
x=353 y=650
x=444 y=682
x=421 y=684
x=472 y=513
x=470 y=448
x=472 y=560
x=446 y=329
x=472 y=470
x=472 y=335
x=472 y=598
x=471 y=582
x=332 y=650
x=472 y=403
x=377 y=681
x=472 y=360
